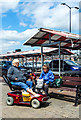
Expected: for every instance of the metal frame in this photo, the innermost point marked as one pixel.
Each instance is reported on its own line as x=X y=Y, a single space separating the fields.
x=48 y=45
x=59 y=57
x=42 y=57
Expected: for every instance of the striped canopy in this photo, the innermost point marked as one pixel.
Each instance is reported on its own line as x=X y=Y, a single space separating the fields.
x=47 y=36
x=37 y=52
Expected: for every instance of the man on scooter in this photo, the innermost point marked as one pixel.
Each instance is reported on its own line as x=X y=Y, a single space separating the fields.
x=17 y=78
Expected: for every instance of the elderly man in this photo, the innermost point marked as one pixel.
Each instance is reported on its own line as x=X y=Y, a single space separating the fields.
x=17 y=78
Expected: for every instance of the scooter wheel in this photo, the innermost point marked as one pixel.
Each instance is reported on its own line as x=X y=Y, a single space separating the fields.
x=35 y=103
x=9 y=101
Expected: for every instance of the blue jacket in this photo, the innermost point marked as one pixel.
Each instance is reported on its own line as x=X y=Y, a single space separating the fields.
x=47 y=77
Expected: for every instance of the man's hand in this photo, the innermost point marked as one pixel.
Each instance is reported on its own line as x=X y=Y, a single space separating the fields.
x=16 y=78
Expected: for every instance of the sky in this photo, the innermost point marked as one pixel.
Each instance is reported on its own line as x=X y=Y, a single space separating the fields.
x=21 y=19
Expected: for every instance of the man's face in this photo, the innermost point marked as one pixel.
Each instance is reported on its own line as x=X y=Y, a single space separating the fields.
x=16 y=64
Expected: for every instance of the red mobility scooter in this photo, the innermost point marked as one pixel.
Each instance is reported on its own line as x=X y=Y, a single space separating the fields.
x=18 y=97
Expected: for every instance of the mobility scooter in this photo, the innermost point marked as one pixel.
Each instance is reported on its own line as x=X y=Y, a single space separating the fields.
x=18 y=97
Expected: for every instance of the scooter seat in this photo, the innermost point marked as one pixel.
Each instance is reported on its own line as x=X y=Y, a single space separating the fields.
x=12 y=87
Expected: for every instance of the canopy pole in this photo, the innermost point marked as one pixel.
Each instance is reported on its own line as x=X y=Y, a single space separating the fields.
x=33 y=62
x=63 y=63
x=41 y=58
x=26 y=59
x=52 y=62
x=36 y=64
x=49 y=38
x=59 y=59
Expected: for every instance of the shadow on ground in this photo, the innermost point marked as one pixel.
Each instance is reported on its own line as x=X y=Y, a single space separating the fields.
x=63 y=97
x=45 y=104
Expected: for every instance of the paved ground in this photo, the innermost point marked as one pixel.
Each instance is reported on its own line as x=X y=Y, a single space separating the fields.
x=55 y=108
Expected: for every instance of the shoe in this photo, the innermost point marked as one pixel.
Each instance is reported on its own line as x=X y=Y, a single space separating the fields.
x=36 y=95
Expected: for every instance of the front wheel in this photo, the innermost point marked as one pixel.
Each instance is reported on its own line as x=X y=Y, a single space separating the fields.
x=35 y=103
x=9 y=101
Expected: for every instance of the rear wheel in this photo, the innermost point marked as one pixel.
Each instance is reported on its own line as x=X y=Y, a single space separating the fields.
x=9 y=101
x=35 y=103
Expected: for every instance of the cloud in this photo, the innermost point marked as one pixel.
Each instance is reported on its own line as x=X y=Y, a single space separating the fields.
x=6 y=5
x=50 y=15
x=10 y=40
x=15 y=35
x=23 y=24
x=40 y=14
x=8 y=45
x=44 y=13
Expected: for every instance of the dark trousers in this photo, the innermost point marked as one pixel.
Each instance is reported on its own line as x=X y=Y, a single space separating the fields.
x=45 y=87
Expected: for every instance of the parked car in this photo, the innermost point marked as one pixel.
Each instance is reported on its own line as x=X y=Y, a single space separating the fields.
x=29 y=65
x=65 y=65
x=38 y=65
x=4 y=66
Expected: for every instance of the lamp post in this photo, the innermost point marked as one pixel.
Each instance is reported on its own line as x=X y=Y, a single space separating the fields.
x=69 y=14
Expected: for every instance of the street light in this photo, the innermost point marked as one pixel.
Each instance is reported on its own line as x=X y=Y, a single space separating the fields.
x=70 y=13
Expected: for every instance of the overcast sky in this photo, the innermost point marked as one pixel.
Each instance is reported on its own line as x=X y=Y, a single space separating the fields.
x=20 y=20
